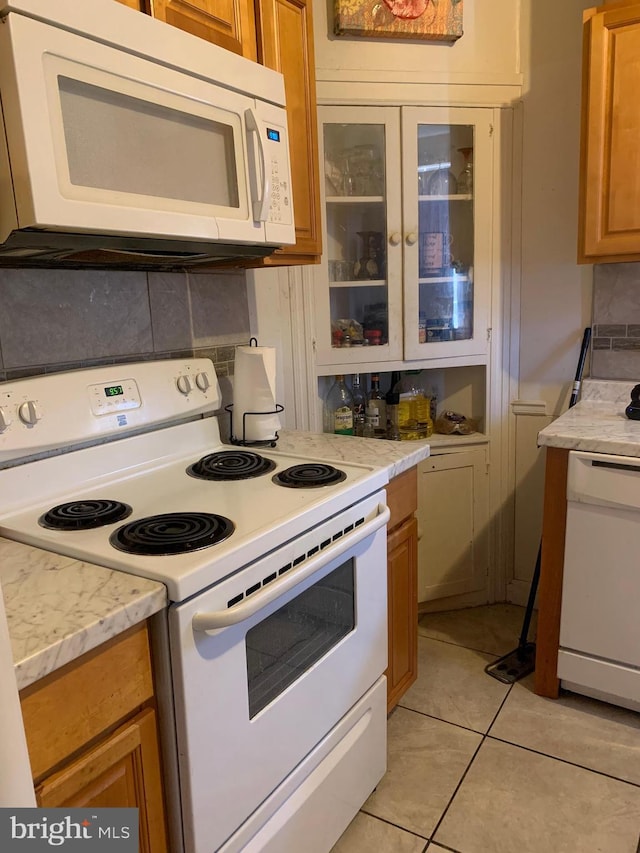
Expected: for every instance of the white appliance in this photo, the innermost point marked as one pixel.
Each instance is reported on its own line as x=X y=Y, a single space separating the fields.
x=276 y=572
x=127 y=141
x=599 y=627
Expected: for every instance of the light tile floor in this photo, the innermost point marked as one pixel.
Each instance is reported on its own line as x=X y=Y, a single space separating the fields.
x=476 y=766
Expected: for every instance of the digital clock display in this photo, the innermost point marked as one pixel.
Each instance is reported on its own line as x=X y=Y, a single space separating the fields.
x=113 y=391
x=273 y=135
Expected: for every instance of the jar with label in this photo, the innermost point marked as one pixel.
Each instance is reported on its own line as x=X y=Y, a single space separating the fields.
x=376 y=408
x=414 y=410
x=338 y=409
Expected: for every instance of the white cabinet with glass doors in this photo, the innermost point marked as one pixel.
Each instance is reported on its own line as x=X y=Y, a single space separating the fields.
x=407 y=207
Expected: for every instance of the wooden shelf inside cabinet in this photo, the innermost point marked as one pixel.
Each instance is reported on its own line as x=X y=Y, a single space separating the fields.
x=441 y=279
x=354 y=199
x=465 y=197
x=359 y=282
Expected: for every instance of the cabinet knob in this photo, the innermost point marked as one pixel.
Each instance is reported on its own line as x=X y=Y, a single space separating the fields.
x=395 y=238
x=411 y=238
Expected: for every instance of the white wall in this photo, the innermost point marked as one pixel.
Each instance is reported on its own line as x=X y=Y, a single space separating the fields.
x=555 y=293
x=487 y=51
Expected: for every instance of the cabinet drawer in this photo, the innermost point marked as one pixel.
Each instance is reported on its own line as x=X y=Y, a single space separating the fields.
x=402 y=497
x=72 y=706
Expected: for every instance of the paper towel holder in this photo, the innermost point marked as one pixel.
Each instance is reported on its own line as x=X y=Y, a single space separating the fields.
x=245 y=442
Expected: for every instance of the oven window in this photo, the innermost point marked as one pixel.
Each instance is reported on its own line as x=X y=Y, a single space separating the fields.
x=286 y=644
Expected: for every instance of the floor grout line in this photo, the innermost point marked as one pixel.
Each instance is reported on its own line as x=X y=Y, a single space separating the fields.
x=396 y=825
x=442 y=719
x=468 y=767
x=493 y=654
x=563 y=761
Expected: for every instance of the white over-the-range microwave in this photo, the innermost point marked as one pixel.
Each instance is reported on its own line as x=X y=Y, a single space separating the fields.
x=127 y=142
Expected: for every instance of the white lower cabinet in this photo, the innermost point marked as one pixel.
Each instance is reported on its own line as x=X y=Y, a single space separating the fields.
x=453 y=524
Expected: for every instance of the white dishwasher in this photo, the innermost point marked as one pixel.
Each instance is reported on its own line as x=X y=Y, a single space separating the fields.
x=600 y=619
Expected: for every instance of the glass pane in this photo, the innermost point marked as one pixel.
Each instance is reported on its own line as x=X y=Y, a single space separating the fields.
x=286 y=644
x=446 y=223
x=124 y=144
x=356 y=233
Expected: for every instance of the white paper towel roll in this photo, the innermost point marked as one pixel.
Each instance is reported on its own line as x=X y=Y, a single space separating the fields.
x=254 y=390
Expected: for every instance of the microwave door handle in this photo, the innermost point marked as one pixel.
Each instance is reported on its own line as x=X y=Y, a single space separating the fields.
x=233 y=615
x=261 y=203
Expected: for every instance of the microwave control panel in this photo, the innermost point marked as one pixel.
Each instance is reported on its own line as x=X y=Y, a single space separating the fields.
x=280 y=208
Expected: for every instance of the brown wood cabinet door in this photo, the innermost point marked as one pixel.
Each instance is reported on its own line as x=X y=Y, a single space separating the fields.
x=402 y=571
x=609 y=228
x=228 y=23
x=123 y=770
x=285 y=43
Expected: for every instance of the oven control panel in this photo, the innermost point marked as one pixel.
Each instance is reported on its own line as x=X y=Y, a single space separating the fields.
x=106 y=399
x=47 y=412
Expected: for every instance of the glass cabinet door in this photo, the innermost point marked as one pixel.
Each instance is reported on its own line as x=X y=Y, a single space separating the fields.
x=446 y=185
x=360 y=308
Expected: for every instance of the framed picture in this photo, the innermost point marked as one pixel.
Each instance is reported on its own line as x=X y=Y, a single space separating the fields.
x=429 y=20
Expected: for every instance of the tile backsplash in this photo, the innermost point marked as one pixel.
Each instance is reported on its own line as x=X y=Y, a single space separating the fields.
x=616 y=322
x=53 y=320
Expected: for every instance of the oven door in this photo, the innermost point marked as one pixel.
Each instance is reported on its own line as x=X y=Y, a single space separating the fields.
x=267 y=663
x=105 y=142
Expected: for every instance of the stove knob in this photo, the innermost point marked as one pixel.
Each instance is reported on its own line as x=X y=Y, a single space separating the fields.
x=5 y=419
x=184 y=384
x=29 y=412
x=202 y=381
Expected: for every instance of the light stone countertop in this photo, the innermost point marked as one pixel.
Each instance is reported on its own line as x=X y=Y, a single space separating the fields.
x=59 y=608
x=394 y=456
x=597 y=423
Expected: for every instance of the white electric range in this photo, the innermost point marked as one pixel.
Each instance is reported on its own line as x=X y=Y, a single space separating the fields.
x=275 y=567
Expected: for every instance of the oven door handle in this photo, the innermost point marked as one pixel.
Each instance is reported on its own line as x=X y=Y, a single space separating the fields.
x=233 y=615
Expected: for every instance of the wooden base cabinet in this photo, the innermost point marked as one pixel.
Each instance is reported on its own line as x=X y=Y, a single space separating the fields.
x=92 y=735
x=402 y=591
x=609 y=227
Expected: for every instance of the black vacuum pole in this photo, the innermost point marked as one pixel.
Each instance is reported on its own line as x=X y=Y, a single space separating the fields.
x=521 y=661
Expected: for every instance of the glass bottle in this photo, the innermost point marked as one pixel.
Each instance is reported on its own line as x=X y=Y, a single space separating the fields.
x=377 y=410
x=338 y=408
x=414 y=409
x=392 y=400
x=359 y=404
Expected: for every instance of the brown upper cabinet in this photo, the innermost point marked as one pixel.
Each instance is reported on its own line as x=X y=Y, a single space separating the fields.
x=278 y=34
x=228 y=23
x=609 y=225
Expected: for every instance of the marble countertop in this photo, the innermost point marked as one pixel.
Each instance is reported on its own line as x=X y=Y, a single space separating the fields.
x=394 y=456
x=597 y=423
x=59 y=608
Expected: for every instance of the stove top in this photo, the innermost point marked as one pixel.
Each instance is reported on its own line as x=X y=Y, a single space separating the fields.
x=134 y=503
